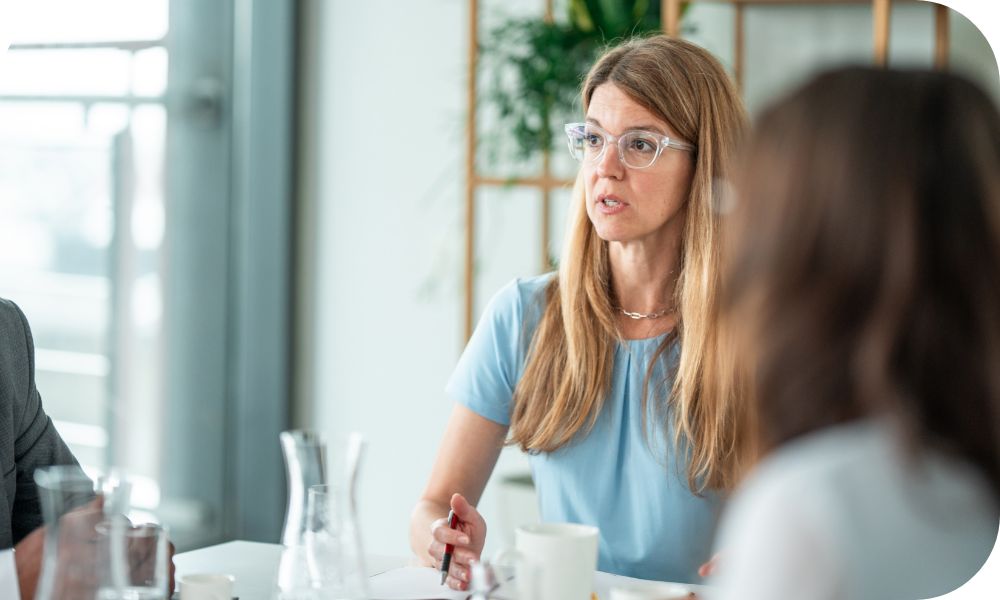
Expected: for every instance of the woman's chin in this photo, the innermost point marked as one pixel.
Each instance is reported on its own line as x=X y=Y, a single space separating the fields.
x=614 y=234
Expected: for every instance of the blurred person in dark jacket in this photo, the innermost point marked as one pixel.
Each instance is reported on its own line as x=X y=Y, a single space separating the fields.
x=29 y=441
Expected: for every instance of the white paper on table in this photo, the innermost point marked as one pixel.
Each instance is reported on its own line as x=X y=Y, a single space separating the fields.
x=412 y=583
x=8 y=575
x=422 y=583
x=604 y=582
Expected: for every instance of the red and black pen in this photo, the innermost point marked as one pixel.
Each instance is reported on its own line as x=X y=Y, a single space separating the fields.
x=449 y=548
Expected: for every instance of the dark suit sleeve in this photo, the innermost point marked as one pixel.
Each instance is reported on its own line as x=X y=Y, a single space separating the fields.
x=37 y=443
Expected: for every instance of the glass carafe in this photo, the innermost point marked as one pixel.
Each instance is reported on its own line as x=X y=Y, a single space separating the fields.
x=305 y=466
x=318 y=532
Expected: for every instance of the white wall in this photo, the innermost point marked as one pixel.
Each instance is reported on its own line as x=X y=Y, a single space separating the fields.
x=385 y=147
x=381 y=214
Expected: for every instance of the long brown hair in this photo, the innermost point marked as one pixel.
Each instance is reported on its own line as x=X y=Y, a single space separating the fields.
x=866 y=261
x=568 y=370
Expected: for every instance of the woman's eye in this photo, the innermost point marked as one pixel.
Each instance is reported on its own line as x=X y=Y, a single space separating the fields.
x=591 y=139
x=644 y=146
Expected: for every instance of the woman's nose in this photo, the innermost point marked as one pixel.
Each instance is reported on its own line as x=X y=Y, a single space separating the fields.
x=609 y=164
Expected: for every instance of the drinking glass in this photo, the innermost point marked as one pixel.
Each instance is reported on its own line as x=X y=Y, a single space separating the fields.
x=92 y=551
x=147 y=563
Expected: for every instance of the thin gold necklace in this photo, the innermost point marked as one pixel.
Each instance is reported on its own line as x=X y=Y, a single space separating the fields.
x=639 y=315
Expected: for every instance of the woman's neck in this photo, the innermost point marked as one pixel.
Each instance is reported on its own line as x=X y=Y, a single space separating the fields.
x=644 y=274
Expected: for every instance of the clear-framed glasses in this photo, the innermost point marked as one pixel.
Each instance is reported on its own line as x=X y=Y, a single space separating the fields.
x=637 y=148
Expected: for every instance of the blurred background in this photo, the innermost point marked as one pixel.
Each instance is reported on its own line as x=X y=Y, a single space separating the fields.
x=227 y=218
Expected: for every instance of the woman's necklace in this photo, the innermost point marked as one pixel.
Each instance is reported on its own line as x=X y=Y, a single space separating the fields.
x=638 y=315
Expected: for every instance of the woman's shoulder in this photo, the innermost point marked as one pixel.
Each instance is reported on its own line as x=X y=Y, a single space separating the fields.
x=522 y=295
x=860 y=468
x=813 y=459
x=516 y=309
x=822 y=493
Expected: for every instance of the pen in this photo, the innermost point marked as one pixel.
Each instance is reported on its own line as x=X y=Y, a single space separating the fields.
x=448 y=549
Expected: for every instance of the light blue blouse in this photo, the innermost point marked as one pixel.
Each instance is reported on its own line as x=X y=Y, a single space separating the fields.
x=627 y=483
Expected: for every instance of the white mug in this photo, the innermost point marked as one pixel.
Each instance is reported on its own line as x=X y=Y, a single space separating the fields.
x=566 y=557
x=207 y=586
x=651 y=591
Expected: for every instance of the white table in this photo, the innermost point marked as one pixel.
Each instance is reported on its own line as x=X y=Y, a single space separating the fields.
x=255 y=567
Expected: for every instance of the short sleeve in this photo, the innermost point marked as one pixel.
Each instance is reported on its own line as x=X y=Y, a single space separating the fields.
x=488 y=371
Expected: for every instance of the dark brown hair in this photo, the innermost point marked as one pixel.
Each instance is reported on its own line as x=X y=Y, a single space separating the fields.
x=866 y=261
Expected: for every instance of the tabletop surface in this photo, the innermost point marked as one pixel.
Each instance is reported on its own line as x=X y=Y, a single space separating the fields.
x=255 y=567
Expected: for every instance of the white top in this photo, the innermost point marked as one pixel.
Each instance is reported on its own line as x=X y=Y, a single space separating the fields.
x=8 y=575
x=846 y=513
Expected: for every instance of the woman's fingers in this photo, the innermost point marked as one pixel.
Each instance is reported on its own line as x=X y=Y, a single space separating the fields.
x=459 y=572
x=460 y=556
x=708 y=568
x=456 y=584
x=461 y=540
x=447 y=535
x=465 y=511
x=463 y=556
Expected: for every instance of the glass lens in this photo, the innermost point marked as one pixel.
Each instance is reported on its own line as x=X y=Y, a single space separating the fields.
x=639 y=148
x=593 y=143
x=585 y=143
x=575 y=140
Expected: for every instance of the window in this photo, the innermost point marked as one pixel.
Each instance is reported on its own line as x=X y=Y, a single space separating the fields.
x=144 y=233
x=82 y=137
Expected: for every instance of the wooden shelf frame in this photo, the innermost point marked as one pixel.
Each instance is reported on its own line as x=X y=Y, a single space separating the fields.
x=881 y=13
x=671 y=15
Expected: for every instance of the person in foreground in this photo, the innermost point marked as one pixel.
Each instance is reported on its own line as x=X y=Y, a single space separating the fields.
x=607 y=372
x=865 y=289
x=28 y=441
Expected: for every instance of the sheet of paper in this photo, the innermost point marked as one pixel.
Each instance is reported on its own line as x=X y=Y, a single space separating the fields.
x=412 y=583
x=603 y=582
x=421 y=583
x=8 y=575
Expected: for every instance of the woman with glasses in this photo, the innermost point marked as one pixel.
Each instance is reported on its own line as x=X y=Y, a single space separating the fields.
x=610 y=373
x=865 y=285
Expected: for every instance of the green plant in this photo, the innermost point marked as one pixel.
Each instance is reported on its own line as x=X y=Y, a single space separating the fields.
x=536 y=67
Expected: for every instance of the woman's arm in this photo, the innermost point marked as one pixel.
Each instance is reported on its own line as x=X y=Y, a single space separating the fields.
x=465 y=460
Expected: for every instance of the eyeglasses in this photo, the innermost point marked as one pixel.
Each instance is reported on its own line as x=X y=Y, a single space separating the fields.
x=637 y=149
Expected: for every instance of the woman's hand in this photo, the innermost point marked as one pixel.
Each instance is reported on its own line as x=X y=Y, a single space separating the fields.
x=708 y=569
x=469 y=450
x=468 y=538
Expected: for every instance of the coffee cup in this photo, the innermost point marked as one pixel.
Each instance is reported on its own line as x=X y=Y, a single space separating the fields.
x=651 y=591
x=207 y=586
x=565 y=555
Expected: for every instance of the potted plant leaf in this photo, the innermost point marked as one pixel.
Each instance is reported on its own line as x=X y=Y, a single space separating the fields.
x=534 y=67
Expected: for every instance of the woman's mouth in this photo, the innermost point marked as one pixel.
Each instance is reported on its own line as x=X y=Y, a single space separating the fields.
x=609 y=205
